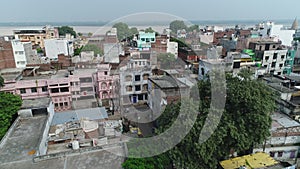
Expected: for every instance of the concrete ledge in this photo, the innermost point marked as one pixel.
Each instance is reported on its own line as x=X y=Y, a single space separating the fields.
x=73 y=152
x=10 y=130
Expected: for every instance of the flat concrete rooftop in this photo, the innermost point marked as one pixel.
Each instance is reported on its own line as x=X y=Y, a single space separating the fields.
x=15 y=152
x=23 y=139
x=36 y=103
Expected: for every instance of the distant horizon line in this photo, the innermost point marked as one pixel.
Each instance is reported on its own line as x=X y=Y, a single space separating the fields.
x=140 y=23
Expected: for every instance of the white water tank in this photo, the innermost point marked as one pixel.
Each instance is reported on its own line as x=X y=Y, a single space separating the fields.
x=75 y=145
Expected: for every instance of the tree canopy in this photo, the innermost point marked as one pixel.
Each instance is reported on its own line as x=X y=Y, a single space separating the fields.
x=91 y=47
x=166 y=60
x=62 y=31
x=245 y=123
x=177 y=25
x=123 y=30
x=149 y=30
x=193 y=28
x=9 y=106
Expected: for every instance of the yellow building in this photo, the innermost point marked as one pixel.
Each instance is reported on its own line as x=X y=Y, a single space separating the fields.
x=36 y=35
x=252 y=161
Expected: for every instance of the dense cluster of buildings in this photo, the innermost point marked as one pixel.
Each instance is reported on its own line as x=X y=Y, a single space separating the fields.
x=82 y=98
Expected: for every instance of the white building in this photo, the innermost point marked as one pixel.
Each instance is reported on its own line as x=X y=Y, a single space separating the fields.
x=270 y=29
x=284 y=142
x=134 y=81
x=19 y=52
x=172 y=47
x=54 y=47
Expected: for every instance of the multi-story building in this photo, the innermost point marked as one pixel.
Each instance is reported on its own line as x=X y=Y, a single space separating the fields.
x=36 y=35
x=164 y=90
x=283 y=144
x=272 y=55
x=270 y=29
x=105 y=82
x=55 y=47
x=145 y=40
x=289 y=63
x=20 y=50
x=134 y=81
x=68 y=89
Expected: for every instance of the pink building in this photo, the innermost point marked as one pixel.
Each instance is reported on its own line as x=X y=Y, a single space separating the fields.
x=105 y=82
x=67 y=89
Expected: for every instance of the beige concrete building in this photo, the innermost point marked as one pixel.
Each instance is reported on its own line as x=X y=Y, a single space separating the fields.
x=36 y=35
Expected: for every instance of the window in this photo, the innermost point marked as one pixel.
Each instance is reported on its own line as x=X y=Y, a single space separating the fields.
x=293 y=154
x=52 y=34
x=66 y=104
x=33 y=90
x=143 y=39
x=61 y=104
x=140 y=97
x=56 y=105
x=103 y=85
x=272 y=154
x=282 y=56
x=280 y=153
x=267 y=58
x=280 y=65
x=145 y=76
x=137 y=78
x=275 y=55
x=152 y=39
x=86 y=80
x=56 y=90
x=128 y=88
x=137 y=88
x=64 y=89
x=22 y=91
x=105 y=73
x=279 y=73
x=128 y=78
x=273 y=64
x=64 y=84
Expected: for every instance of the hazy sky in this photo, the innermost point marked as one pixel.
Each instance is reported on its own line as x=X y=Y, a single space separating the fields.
x=104 y=10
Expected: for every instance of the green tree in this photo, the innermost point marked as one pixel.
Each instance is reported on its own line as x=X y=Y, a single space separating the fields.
x=157 y=162
x=134 y=31
x=123 y=30
x=92 y=47
x=149 y=30
x=177 y=25
x=245 y=123
x=62 y=31
x=9 y=106
x=39 y=50
x=77 y=51
x=166 y=60
x=193 y=28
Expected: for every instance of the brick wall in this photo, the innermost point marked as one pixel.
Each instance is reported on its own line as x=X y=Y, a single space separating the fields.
x=6 y=55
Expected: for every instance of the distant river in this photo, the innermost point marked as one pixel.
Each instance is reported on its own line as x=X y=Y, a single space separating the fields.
x=99 y=30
